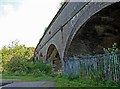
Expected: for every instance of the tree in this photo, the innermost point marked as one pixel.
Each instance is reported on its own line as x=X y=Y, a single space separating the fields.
x=14 y=49
x=17 y=65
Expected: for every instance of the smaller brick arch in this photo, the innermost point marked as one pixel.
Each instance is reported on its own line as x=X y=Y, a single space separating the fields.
x=54 y=59
x=41 y=56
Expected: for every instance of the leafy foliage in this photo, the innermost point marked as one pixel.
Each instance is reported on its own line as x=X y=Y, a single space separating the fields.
x=111 y=50
x=16 y=60
x=13 y=50
x=20 y=66
x=1 y=68
x=17 y=65
x=39 y=68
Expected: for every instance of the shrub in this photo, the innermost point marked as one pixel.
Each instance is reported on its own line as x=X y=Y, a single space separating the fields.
x=39 y=68
x=48 y=69
x=17 y=65
x=111 y=50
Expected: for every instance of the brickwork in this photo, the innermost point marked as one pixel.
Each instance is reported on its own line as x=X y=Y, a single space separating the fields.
x=76 y=30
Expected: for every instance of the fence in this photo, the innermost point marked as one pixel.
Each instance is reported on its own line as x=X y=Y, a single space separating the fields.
x=99 y=67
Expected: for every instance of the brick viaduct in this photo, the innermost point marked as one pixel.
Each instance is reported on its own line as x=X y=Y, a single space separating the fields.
x=79 y=28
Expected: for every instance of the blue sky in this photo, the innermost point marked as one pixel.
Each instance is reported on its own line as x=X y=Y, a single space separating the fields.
x=14 y=3
x=25 y=20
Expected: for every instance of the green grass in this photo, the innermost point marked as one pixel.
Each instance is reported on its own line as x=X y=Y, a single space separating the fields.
x=24 y=77
x=64 y=82
x=61 y=81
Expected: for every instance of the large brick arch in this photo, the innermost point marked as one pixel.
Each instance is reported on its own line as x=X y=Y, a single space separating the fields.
x=81 y=22
x=68 y=22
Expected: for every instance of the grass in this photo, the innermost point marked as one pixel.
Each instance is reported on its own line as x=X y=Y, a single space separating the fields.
x=24 y=77
x=65 y=82
x=61 y=81
x=0 y=75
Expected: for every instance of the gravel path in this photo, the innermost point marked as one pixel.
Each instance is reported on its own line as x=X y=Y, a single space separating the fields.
x=29 y=85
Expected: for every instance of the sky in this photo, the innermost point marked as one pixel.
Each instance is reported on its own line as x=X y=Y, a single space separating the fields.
x=25 y=20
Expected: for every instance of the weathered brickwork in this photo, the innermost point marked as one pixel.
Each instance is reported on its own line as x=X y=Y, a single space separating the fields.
x=78 y=29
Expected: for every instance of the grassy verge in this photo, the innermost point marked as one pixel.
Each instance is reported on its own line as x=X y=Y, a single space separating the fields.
x=61 y=81
x=23 y=77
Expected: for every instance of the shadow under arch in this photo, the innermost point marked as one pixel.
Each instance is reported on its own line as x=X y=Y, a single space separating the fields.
x=100 y=31
x=53 y=58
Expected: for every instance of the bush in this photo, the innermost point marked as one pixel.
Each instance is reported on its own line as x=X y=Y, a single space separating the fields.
x=111 y=50
x=40 y=68
x=17 y=65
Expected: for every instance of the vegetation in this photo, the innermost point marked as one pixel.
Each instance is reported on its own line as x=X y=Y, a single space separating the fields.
x=64 y=81
x=17 y=64
x=25 y=77
x=61 y=80
x=17 y=59
x=111 y=50
x=13 y=50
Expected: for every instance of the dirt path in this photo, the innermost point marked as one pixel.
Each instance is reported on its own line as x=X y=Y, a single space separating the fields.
x=29 y=85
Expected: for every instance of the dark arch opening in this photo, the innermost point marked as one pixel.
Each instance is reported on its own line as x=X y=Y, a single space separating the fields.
x=41 y=57
x=54 y=59
x=100 y=31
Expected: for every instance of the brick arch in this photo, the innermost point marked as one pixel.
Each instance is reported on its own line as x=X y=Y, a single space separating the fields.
x=79 y=25
x=53 y=57
x=48 y=46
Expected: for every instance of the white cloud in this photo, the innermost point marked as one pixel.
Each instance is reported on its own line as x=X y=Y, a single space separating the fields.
x=27 y=23
x=8 y=9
